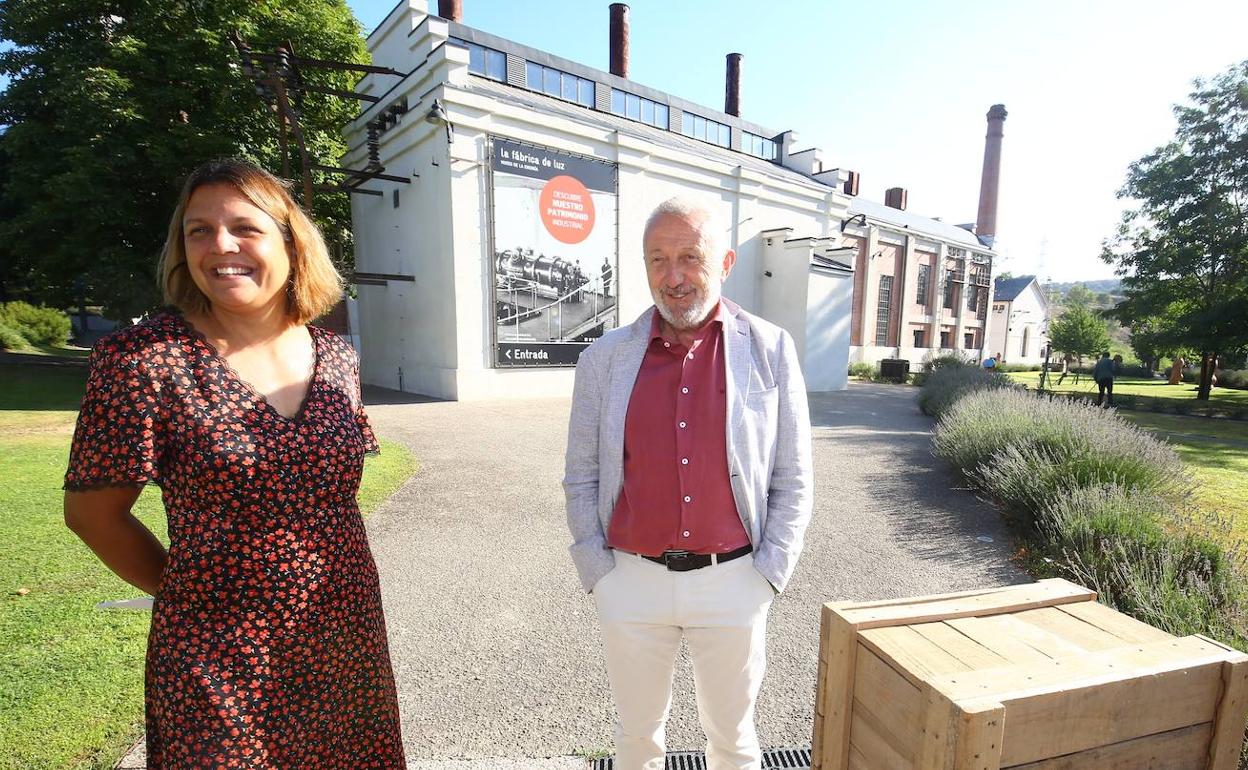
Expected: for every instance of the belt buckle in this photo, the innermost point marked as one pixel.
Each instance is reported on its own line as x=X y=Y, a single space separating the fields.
x=677 y=561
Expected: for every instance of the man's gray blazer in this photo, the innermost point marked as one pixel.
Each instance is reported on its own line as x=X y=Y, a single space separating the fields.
x=769 y=463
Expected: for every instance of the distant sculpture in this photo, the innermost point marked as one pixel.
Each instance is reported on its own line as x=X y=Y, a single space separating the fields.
x=1176 y=371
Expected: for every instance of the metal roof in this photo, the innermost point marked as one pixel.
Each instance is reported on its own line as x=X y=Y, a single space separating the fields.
x=1008 y=289
x=916 y=223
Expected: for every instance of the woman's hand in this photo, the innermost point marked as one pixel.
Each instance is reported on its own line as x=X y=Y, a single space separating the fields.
x=102 y=518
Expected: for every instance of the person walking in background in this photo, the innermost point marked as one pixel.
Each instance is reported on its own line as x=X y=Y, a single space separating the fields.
x=1103 y=374
x=688 y=482
x=268 y=645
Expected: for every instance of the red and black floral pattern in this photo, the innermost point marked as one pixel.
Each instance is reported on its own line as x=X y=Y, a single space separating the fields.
x=268 y=644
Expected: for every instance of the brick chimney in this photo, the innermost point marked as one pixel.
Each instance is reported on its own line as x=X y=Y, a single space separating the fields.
x=895 y=197
x=732 y=85
x=451 y=10
x=619 y=40
x=851 y=183
x=986 y=221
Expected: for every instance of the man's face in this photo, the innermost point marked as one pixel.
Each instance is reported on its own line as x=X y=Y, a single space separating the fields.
x=684 y=277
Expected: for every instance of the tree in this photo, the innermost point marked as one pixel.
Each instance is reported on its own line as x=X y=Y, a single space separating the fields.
x=1079 y=296
x=1079 y=332
x=1183 y=251
x=112 y=102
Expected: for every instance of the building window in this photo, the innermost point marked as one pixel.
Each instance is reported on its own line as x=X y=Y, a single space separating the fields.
x=1026 y=340
x=925 y=279
x=700 y=128
x=559 y=84
x=969 y=340
x=948 y=289
x=758 y=146
x=944 y=340
x=982 y=311
x=486 y=61
x=918 y=338
x=638 y=108
x=882 y=310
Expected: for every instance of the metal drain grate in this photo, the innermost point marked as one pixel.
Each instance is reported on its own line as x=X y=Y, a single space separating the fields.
x=773 y=759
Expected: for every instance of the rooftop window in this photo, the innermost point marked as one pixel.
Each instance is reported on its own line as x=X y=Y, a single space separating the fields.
x=486 y=61
x=704 y=129
x=758 y=146
x=638 y=108
x=559 y=84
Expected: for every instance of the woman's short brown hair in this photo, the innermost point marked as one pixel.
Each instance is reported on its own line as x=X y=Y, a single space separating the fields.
x=315 y=285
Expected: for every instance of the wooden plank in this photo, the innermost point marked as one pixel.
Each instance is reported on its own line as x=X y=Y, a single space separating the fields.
x=938 y=734
x=909 y=653
x=959 y=645
x=878 y=752
x=980 y=738
x=1041 y=639
x=1182 y=749
x=856 y=760
x=1228 y=725
x=1122 y=626
x=1061 y=722
x=995 y=633
x=835 y=697
x=888 y=701
x=1056 y=620
x=1057 y=674
x=1046 y=593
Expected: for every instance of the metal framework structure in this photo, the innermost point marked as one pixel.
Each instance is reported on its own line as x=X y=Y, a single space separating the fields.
x=279 y=81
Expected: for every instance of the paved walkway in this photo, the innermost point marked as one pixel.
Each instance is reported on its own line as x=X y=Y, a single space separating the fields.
x=495 y=645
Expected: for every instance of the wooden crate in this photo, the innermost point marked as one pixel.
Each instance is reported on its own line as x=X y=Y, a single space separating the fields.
x=1031 y=677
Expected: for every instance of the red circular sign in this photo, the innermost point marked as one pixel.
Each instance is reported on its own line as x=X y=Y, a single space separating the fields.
x=567 y=209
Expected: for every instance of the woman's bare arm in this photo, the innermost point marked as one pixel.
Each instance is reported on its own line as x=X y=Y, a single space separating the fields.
x=102 y=518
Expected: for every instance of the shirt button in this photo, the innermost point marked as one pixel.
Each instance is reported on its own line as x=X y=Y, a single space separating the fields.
x=684 y=390
x=667 y=344
x=684 y=461
x=688 y=499
x=686 y=533
x=682 y=423
x=691 y=355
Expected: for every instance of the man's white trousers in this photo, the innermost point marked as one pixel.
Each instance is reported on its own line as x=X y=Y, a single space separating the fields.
x=721 y=611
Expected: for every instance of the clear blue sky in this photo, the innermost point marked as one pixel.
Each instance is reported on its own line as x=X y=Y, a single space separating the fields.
x=898 y=91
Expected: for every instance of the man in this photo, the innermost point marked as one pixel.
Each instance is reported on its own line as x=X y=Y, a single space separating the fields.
x=689 y=488
x=1103 y=373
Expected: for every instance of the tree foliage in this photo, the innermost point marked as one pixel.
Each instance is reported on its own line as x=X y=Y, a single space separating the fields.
x=1079 y=332
x=112 y=102
x=1183 y=251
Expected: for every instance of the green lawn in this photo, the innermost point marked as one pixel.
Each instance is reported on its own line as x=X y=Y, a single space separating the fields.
x=1133 y=386
x=1216 y=452
x=71 y=676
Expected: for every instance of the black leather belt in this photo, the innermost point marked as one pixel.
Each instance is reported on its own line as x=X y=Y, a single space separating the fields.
x=683 y=561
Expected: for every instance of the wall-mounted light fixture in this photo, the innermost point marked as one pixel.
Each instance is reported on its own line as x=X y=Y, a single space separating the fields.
x=861 y=219
x=437 y=114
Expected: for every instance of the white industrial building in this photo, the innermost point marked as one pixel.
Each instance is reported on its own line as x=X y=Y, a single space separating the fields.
x=509 y=189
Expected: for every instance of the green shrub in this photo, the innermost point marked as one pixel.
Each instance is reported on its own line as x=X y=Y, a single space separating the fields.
x=864 y=370
x=944 y=385
x=946 y=361
x=1146 y=558
x=1026 y=450
x=37 y=324
x=11 y=338
x=1236 y=379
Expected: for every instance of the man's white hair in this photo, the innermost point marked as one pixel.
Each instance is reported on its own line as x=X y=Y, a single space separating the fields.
x=696 y=212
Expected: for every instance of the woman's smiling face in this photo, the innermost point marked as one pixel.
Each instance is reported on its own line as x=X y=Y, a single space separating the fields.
x=236 y=253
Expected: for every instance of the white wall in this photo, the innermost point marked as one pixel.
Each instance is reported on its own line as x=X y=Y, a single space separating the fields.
x=829 y=299
x=1026 y=317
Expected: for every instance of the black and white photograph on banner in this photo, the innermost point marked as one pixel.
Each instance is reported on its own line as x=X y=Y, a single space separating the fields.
x=555 y=253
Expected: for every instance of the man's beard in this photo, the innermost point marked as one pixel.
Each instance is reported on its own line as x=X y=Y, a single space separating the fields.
x=692 y=316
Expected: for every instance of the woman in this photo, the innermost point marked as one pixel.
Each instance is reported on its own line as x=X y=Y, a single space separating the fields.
x=268 y=644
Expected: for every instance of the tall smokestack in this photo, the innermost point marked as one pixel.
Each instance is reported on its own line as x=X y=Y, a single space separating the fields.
x=732 y=85
x=986 y=222
x=451 y=10
x=619 y=40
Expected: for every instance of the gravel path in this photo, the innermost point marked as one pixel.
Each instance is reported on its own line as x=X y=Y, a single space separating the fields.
x=496 y=647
